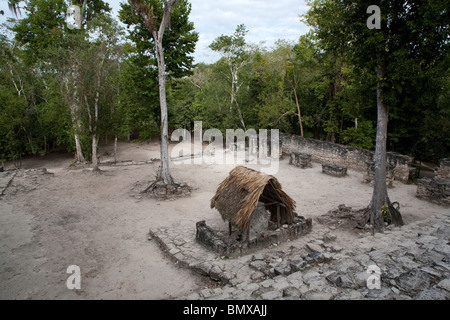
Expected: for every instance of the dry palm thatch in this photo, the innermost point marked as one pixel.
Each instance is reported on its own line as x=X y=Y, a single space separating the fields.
x=239 y=194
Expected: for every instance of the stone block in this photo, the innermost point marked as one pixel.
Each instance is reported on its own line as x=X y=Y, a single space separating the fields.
x=300 y=160
x=334 y=170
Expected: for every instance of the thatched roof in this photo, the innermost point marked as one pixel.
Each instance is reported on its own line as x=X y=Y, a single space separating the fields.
x=239 y=194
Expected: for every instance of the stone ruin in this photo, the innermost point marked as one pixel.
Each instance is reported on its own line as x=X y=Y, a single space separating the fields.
x=437 y=189
x=263 y=233
x=334 y=170
x=301 y=160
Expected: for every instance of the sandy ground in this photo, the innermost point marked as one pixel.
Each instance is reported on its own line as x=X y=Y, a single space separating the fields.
x=73 y=217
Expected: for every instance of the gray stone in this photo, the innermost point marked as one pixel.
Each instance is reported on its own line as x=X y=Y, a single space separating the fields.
x=259 y=220
x=215 y=273
x=319 y=284
x=267 y=283
x=257 y=275
x=407 y=263
x=432 y=272
x=425 y=239
x=380 y=294
x=329 y=237
x=258 y=256
x=271 y=295
x=310 y=275
x=281 y=284
x=251 y=287
x=443 y=232
x=317 y=295
x=258 y=265
x=298 y=265
x=395 y=290
x=442 y=248
x=342 y=280
x=432 y=294
x=291 y=292
x=444 y=284
x=314 y=247
x=442 y=266
x=206 y=293
x=413 y=281
x=335 y=248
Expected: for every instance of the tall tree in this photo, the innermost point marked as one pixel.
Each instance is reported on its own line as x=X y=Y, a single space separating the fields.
x=234 y=50
x=415 y=31
x=44 y=29
x=156 y=23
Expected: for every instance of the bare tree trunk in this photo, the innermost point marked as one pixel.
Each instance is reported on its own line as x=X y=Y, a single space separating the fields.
x=95 y=167
x=73 y=106
x=380 y=203
x=298 y=109
x=150 y=21
x=115 y=149
x=79 y=151
x=164 y=173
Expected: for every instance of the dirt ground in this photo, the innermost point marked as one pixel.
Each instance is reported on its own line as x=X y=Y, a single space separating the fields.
x=95 y=221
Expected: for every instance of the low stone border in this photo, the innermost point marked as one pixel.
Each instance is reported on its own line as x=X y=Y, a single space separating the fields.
x=231 y=247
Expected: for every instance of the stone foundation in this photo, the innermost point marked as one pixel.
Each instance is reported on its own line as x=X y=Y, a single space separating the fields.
x=333 y=170
x=370 y=171
x=434 y=190
x=233 y=246
x=346 y=156
x=300 y=160
x=437 y=189
x=443 y=171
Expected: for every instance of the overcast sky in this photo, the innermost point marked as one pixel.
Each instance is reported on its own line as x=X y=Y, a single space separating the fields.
x=266 y=20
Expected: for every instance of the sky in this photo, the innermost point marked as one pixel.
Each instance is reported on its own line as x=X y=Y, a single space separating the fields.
x=266 y=20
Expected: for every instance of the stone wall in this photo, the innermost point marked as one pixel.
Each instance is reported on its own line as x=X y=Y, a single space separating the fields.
x=437 y=189
x=347 y=156
x=443 y=171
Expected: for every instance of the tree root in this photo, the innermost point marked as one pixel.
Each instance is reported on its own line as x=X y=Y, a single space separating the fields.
x=390 y=213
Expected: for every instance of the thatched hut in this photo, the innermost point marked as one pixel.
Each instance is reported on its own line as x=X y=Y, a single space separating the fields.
x=239 y=194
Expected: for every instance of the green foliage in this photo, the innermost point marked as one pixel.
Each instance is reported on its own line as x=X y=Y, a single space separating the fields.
x=363 y=136
x=139 y=96
x=49 y=72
